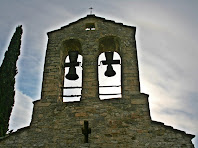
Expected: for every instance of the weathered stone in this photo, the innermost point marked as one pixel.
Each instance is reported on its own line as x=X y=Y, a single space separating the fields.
x=80 y=114
x=123 y=122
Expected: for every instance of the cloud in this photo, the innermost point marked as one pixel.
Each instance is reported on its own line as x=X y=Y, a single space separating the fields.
x=166 y=45
x=22 y=111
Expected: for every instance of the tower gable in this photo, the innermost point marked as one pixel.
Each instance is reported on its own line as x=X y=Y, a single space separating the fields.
x=107 y=36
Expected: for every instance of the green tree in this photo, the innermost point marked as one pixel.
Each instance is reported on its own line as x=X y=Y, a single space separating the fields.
x=8 y=70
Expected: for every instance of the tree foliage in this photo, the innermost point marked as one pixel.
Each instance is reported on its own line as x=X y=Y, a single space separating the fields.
x=8 y=70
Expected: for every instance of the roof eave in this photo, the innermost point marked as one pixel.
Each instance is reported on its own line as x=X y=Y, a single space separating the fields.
x=92 y=16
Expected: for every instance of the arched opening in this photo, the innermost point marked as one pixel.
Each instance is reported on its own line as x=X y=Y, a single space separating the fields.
x=72 y=84
x=109 y=74
x=109 y=68
x=109 y=43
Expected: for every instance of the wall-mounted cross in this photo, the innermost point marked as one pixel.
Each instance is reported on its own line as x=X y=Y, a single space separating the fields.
x=86 y=131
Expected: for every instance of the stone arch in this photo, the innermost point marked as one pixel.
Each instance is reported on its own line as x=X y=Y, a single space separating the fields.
x=109 y=43
x=65 y=47
x=71 y=45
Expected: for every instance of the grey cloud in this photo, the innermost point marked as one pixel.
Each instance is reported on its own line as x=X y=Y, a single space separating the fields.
x=22 y=111
x=166 y=41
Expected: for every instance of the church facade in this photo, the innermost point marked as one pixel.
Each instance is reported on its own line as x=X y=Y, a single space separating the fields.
x=93 y=122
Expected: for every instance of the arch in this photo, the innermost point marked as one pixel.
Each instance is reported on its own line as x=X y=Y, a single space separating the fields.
x=71 y=45
x=71 y=88
x=109 y=87
x=109 y=43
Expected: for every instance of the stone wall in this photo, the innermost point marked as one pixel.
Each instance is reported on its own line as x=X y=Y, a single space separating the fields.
x=113 y=123
x=120 y=122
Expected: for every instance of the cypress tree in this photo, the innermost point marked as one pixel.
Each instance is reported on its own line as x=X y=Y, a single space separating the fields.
x=8 y=70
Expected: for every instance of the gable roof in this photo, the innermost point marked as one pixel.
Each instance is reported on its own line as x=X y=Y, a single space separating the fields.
x=96 y=17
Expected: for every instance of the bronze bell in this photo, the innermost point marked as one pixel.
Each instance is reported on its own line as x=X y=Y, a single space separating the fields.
x=109 y=59
x=110 y=72
x=72 y=74
x=73 y=55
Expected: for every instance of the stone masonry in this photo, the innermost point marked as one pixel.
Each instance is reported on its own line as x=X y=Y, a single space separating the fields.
x=120 y=122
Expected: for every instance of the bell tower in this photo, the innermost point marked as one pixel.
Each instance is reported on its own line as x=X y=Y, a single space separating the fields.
x=122 y=120
x=90 y=37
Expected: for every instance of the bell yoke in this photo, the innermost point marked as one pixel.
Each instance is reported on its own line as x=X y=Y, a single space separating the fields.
x=73 y=56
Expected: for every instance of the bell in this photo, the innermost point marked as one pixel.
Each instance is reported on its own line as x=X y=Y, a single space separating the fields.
x=73 y=55
x=110 y=72
x=72 y=74
x=109 y=58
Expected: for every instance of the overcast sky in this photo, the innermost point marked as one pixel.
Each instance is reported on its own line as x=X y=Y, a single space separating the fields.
x=166 y=44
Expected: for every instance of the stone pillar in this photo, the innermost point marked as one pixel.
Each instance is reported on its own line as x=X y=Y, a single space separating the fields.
x=90 y=69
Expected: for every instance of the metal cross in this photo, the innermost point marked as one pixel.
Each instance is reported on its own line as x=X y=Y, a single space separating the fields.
x=91 y=10
x=86 y=131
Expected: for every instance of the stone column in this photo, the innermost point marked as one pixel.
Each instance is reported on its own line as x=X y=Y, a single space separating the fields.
x=90 y=70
